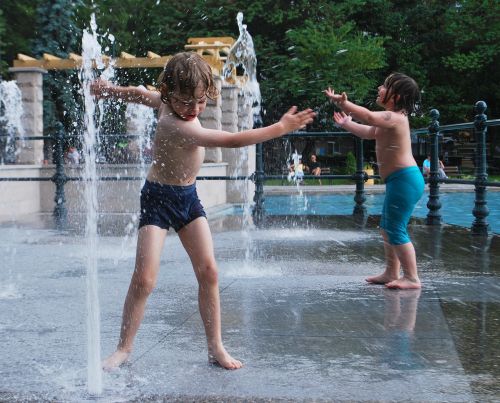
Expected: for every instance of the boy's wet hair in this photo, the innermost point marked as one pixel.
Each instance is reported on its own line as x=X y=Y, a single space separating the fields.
x=183 y=73
x=406 y=92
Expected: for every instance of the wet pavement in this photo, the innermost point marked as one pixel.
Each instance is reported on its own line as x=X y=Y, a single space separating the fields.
x=295 y=309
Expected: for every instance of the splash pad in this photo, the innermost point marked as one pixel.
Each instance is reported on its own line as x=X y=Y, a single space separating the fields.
x=298 y=314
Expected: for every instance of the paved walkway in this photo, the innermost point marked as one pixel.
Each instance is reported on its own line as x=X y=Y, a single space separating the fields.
x=295 y=309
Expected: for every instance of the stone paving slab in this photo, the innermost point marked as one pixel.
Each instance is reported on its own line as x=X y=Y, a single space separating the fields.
x=298 y=313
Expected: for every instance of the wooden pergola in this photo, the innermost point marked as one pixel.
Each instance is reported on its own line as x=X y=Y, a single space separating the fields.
x=213 y=49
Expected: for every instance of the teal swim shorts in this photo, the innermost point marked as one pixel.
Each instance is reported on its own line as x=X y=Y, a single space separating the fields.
x=403 y=190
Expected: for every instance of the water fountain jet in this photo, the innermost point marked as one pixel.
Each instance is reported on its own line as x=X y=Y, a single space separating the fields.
x=11 y=111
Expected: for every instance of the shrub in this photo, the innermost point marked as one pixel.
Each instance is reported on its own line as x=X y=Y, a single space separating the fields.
x=350 y=164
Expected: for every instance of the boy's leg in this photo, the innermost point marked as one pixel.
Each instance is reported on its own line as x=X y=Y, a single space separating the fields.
x=392 y=262
x=402 y=194
x=407 y=257
x=197 y=241
x=149 y=246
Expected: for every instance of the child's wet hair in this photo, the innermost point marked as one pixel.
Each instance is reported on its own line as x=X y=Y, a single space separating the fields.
x=183 y=74
x=406 y=91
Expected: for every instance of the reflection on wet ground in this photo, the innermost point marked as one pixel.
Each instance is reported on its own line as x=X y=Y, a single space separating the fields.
x=297 y=312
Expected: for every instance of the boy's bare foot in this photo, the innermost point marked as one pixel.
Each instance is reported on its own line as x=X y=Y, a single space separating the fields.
x=404 y=284
x=381 y=279
x=223 y=359
x=116 y=359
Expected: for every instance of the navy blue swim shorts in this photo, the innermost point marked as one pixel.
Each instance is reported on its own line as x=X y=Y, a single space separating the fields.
x=168 y=206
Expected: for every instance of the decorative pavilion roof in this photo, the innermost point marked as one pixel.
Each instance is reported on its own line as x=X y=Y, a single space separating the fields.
x=213 y=49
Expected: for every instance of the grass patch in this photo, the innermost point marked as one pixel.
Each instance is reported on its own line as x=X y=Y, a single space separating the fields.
x=491 y=178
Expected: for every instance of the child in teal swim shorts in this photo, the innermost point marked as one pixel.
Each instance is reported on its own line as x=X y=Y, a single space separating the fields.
x=398 y=95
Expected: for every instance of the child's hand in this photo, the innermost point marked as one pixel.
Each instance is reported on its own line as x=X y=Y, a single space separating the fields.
x=293 y=120
x=341 y=118
x=335 y=98
x=100 y=88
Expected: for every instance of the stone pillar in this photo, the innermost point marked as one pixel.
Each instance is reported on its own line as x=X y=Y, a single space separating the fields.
x=30 y=82
x=211 y=119
x=229 y=95
x=245 y=115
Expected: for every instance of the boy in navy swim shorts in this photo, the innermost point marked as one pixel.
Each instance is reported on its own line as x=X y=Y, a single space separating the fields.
x=390 y=129
x=169 y=199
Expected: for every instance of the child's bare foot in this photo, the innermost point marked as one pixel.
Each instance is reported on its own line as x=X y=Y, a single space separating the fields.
x=381 y=279
x=404 y=284
x=116 y=359
x=223 y=359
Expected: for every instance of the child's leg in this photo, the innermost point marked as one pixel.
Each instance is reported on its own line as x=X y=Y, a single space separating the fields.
x=407 y=257
x=403 y=190
x=149 y=246
x=392 y=267
x=197 y=241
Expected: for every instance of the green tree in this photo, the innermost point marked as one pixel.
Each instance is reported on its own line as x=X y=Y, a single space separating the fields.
x=326 y=55
x=19 y=19
x=475 y=53
x=350 y=164
x=3 y=63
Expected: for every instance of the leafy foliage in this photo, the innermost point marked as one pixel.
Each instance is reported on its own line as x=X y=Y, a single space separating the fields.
x=474 y=56
x=450 y=47
x=350 y=164
x=58 y=36
x=3 y=64
x=19 y=18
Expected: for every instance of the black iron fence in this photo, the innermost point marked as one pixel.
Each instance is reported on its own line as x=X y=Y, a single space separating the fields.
x=434 y=132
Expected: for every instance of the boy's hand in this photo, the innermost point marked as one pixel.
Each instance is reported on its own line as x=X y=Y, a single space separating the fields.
x=338 y=99
x=293 y=120
x=100 y=88
x=341 y=118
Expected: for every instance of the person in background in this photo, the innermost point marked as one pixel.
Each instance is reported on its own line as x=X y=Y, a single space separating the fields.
x=426 y=168
x=314 y=167
x=299 y=171
x=72 y=156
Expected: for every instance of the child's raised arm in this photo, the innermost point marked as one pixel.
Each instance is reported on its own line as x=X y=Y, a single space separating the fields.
x=386 y=119
x=103 y=89
x=362 y=131
x=290 y=121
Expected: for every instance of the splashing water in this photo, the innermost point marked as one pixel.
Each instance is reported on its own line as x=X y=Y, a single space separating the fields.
x=91 y=53
x=141 y=121
x=242 y=54
x=11 y=112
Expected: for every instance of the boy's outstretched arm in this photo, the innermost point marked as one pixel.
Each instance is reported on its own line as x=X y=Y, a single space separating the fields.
x=362 y=131
x=290 y=121
x=386 y=119
x=103 y=89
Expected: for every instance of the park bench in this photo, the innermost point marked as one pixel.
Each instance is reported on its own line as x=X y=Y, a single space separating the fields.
x=452 y=171
x=324 y=171
x=327 y=171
